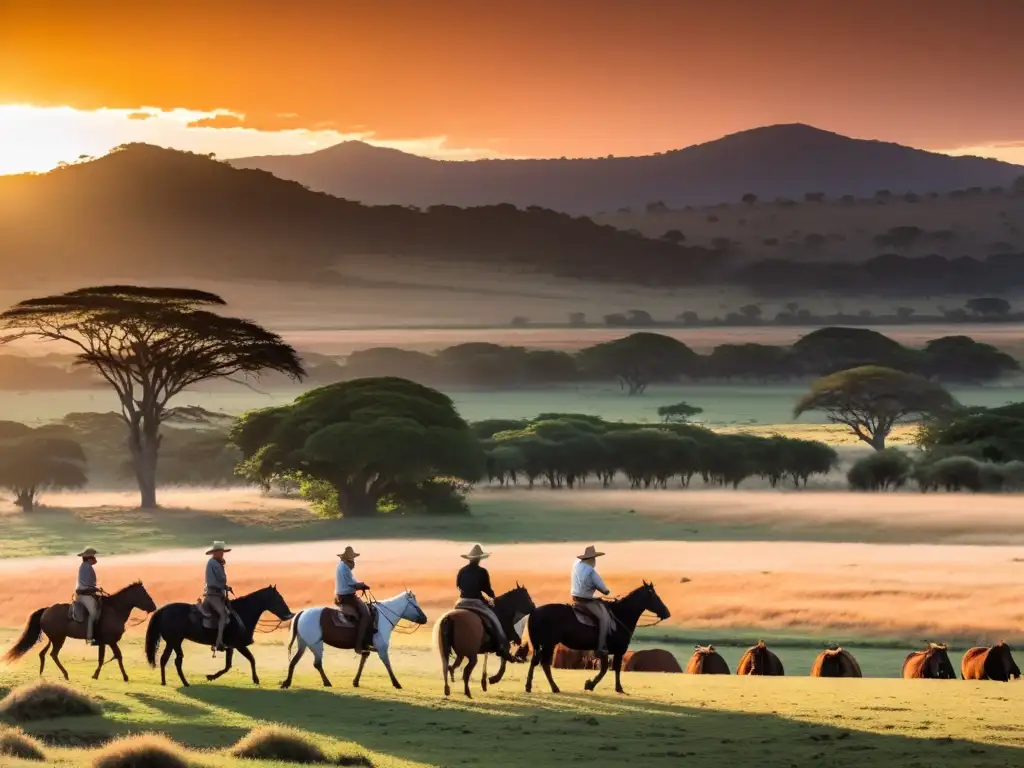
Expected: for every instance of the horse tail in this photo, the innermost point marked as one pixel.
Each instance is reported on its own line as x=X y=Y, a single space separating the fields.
x=33 y=631
x=293 y=632
x=153 y=636
x=444 y=639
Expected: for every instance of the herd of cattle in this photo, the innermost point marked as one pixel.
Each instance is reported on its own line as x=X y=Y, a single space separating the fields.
x=993 y=663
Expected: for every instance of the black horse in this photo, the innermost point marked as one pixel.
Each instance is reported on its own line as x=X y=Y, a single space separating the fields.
x=557 y=623
x=176 y=622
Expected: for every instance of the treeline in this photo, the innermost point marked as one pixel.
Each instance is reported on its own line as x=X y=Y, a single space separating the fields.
x=566 y=450
x=889 y=274
x=644 y=358
x=978 y=449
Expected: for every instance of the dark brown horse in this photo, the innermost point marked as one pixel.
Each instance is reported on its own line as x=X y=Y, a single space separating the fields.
x=706 y=661
x=651 y=660
x=462 y=632
x=995 y=663
x=930 y=664
x=557 y=623
x=758 y=660
x=835 y=662
x=55 y=623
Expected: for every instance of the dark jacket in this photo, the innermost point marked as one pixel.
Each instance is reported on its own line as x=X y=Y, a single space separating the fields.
x=474 y=582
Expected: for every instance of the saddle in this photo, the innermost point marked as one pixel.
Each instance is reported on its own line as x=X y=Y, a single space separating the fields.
x=77 y=612
x=208 y=619
x=345 y=616
x=587 y=620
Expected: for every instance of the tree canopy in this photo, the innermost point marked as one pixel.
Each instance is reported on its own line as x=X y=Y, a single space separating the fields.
x=149 y=344
x=870 y=400
x=369 y=440
x=639 y=359
x=33 y=463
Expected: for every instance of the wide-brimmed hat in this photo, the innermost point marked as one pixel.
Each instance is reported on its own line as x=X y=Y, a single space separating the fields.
x=349 y=554
x=589 y=553
x=476 y=553
x=218 y=546
x=87 y=552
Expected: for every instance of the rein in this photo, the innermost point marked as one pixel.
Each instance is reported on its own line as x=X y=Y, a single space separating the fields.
x=395 y=619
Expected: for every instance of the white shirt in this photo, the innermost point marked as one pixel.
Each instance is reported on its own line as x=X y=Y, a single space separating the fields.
x=344 y=581
x=585 y=581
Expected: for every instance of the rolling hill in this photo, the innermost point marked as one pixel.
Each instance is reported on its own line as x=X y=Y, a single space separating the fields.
x=146 y=212
x=773 y=161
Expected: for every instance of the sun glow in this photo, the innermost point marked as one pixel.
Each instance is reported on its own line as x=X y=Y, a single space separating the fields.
x=35 y=139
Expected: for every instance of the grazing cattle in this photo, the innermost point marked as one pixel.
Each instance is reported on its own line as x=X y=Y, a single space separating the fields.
x=835 y=662
x=567 y=658
x=707 y=661
x=995 y=663
x=653 y=660
x=760 y=661
x=930 y=664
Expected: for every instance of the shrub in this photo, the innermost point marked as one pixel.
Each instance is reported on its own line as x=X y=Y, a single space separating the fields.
x=289 y=746
x=14 y=742
x=956 y=473
x=880 y=471
x=148 y=750
x=43 y=700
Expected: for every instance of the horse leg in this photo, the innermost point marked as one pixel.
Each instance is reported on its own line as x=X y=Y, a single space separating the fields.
x=592 y=684
x=287 y=682
x=42 y=655
x=228 y=656
x=617 y=666
x=470 y=666
x=546 y=658
x=318 y=661
x=445 y=671
x=179 y=657
x=386 y=658
x=58 y=643
x=359 y=672
x=99 y=665
x=534 y=661
x=120 y=662
x=455 y=665
x=246 y=653
x=164 y=658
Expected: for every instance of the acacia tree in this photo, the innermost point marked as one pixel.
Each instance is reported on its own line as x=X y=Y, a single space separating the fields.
x=638 y=360
x=32 y=464
x=370 y=440
x=679 y=412
x=871 y=400
x=149 y=344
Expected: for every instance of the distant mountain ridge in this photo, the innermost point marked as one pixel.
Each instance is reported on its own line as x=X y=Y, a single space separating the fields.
x=772 y=161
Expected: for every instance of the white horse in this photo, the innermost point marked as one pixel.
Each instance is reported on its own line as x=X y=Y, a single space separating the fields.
x=308 y=629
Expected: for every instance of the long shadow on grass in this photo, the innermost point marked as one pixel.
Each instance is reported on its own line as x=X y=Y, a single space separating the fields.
x=575 y=729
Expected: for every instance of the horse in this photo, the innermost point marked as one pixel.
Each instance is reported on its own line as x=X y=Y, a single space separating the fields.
x=314 y=627
x=56 y=623
x=706 y=661
x=176 y=622
x=557 y=623
x=472 y=638
x=758 y=660
x=995 y=663
x=930 y=664
x=835 y=662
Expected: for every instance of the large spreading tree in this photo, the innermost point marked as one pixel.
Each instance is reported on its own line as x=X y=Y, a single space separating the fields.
x=371 y=440
x=871 y=400
x=639 y=360
x=33 y=463
x=149 y=344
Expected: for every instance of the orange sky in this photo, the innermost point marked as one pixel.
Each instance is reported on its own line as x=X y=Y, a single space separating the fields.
x=525 y=77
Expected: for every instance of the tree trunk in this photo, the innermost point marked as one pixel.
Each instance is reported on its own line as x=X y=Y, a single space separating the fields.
x=877 y=440
x=26 y=499
x=355 y=502
x=144 y=446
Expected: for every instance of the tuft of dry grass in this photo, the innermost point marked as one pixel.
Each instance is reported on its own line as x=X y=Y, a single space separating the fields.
x=287 y=745
x=144 y=751
x=14 y=742
x=43 y=700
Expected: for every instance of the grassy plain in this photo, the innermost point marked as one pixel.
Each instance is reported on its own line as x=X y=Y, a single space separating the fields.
x=666 y=720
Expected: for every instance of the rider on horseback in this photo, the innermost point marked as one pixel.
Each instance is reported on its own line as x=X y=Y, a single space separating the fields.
x=585 y=581
x=87 y=591
x=215 y=595
x=473 y=583
x=345 y=588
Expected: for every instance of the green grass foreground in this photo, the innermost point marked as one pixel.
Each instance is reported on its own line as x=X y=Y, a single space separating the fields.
x=666 y=720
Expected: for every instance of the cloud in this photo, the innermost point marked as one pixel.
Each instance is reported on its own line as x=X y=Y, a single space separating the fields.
x=223 y=121
x=140 y=115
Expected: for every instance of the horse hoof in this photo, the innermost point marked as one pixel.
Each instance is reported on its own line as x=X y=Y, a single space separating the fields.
x=621 y=692
x=285 y=685
x=255 y=681
x=211 y=678
x=327 y=685
x=588 y=686
x=398 y=686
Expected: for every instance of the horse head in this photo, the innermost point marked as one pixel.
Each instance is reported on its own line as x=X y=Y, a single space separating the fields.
x=412 y=611
x=135 y=596
x=522 y=603
x=274 y=602
x=653 y=603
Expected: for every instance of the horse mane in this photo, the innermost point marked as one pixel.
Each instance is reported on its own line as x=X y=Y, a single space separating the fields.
x=758 y=655
x=124 y=589
x=704 y=649
x=937 y=647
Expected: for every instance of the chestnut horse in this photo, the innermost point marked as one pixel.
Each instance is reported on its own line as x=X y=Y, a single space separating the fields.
x=462 y=632
x=55 y=623
x=930 y=664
